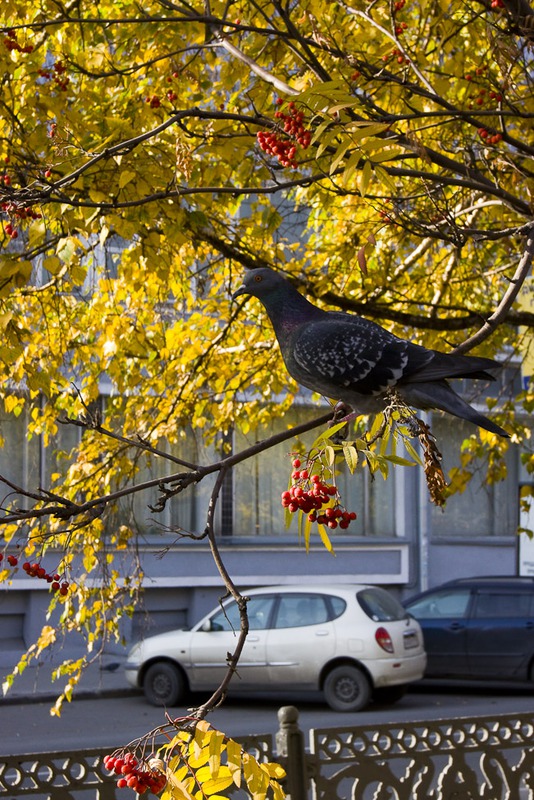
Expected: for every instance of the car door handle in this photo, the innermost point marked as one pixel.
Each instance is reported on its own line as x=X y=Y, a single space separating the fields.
x=456 y=626
x=321 y=633
x=253 y=638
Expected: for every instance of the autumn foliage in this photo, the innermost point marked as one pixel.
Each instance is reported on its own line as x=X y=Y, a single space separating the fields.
x=378 y=153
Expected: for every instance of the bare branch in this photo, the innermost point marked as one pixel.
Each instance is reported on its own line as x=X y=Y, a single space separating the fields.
x=499 y=315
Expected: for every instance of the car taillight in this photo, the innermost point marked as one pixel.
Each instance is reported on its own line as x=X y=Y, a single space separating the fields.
x=384 y=640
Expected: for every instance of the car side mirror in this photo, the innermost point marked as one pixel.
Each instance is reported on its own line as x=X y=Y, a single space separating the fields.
x=206 y=626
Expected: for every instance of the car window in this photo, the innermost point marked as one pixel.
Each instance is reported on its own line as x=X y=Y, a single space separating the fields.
x=379 y=605
x=338 y=606
x=447 y=603
x=295 y=610
x=258 y=609
x=502 y=604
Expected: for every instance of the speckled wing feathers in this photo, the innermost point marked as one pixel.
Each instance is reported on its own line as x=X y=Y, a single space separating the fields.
x=351 y=352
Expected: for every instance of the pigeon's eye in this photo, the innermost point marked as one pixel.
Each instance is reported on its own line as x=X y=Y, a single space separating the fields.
x=258 y=278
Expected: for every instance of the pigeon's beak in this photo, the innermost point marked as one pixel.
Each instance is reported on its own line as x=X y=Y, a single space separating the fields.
x=239 y=291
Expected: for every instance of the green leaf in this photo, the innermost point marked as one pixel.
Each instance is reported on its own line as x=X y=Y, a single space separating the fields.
x=413 y=452
x=402 y=462
x=328 y=433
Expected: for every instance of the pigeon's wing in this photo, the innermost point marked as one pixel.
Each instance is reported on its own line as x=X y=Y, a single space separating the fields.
x=449 y=365
x=352 y=352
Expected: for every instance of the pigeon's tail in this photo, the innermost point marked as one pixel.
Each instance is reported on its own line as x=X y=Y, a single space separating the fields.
x=439 y=394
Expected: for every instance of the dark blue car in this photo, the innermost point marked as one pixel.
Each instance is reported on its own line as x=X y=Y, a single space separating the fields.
x=478 y=628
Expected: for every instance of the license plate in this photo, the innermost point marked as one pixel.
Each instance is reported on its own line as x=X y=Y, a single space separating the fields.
x=410 y=640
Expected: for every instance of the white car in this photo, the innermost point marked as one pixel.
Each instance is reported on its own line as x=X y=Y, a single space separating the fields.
x=353 y=642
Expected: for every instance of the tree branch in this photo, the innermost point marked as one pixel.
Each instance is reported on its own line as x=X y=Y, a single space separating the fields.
x=499 y=315
x=65 y=508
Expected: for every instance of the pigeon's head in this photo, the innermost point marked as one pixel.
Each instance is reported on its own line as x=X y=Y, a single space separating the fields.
x=263 y=283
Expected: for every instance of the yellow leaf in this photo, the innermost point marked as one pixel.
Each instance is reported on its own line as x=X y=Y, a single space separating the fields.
x=274 y=770
x=216 y=745
x=178 y=790
x=233 y=756
x=52 y=264
x=365 y=178
x=325 y=538
x=211 y=785
x=351 y=457
x=125 y=178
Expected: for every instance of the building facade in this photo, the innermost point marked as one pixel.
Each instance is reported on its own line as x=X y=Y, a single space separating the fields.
x=399 y=540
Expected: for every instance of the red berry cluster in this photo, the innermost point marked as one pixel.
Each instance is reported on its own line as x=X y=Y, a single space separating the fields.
x=399 y=5
x=14 y=210
x=386 y=216
x=154 y=100
x=484 y=96
x=11 y=43
x=497 y=4
x=136 y=775
x=400 y=28
x=488 y=137
x=37 y=571
x=11 y=560
x=487 y=98
x=311 y=494
x=285 y=146
x=11 y=231
x=396 y=53
x=58 y=74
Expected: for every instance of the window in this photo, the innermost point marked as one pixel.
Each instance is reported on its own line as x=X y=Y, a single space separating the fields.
x=496 y=505
x=379 y=605
x=187 y=510
x=259 y=611
x=259 y=483
x=448 y=603
x=296 y=610
x=338 y=606
x=19 y=457
x=503 y=604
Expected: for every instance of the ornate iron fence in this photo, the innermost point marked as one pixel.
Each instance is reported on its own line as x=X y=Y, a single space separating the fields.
x=81 y=775
x=456 y=759
x=490 y=757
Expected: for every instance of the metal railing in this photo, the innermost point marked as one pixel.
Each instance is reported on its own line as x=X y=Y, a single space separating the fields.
x=489 y=757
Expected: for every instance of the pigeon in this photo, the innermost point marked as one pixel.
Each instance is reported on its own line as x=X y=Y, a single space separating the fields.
x=357 y=362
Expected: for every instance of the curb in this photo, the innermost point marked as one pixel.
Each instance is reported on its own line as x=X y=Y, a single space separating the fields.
x=82 y=694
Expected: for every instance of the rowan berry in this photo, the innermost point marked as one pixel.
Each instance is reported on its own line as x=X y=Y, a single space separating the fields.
x=292 y=125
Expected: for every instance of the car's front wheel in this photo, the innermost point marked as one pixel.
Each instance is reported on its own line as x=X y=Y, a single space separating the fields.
x=347 y=688
x=163 y=684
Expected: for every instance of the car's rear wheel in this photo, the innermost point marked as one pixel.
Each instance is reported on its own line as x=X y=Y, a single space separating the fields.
x=347 y=688
x=389 y=694
x=163 y=684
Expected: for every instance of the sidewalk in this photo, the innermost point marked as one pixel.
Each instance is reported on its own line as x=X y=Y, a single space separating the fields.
x=104 y=678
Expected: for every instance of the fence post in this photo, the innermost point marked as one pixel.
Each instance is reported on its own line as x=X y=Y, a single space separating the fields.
x=290 y=747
